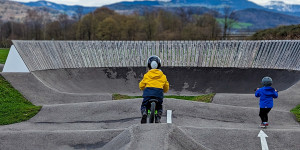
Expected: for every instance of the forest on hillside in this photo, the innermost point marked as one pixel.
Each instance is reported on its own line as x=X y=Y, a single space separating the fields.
x=291 y=32
x=105 y=24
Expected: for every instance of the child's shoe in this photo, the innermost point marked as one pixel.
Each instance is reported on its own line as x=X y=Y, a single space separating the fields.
x=262 y=125
x=157 y=119
x=266 y=124
x=144 y=117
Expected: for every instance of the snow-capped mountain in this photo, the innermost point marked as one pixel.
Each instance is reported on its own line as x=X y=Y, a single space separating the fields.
x=282 y=7
x=69 y=10
x=260 y=16
x=279 y=6
x=275 y=6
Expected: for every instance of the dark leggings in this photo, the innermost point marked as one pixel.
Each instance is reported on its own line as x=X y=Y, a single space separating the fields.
x=146 y=103
x=263 y=113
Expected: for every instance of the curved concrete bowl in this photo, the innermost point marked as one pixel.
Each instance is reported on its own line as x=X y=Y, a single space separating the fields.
x=183 y=80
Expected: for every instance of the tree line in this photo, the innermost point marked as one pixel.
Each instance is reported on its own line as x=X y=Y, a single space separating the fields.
x=106 y=24
x=291 y=32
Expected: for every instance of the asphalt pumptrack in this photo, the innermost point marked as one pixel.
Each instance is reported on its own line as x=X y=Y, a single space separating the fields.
x=78 y=111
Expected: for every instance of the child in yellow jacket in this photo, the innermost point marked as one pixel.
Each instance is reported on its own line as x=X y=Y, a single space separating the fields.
x=153 y=85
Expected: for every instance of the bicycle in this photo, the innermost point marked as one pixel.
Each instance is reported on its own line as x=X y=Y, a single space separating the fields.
x=152 y=111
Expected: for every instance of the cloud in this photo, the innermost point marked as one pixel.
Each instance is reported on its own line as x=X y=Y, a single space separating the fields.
x=265 y=2
x=94 y=3
x=97 y=3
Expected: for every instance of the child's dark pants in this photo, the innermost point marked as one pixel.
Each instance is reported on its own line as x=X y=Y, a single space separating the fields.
x=146 y=103
x=263 y=113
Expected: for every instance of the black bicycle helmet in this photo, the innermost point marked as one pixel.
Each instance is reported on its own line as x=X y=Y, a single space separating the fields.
x=266 y=81
x=154 y=62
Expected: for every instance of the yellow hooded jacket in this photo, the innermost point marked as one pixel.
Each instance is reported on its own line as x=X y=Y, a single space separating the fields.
x=155 y=78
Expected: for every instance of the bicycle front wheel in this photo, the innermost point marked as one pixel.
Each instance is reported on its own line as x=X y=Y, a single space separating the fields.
x=152 y=114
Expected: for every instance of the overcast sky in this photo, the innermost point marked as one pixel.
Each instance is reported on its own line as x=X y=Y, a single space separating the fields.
x=105 y=2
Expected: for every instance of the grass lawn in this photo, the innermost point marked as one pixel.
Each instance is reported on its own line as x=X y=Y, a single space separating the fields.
x=201 y=98
x=296 y=111
x=3 y=55
x=13 y=106
x=236 y=25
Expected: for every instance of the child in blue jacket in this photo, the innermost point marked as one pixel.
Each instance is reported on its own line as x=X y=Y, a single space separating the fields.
x=153 y=85
x=266 y=94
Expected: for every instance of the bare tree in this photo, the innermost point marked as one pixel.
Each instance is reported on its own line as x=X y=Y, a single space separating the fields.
x=78 y=14
x=33 y=19
x=230 y=19
x=150 y=24
x=45 y=20
x=185 y=15
x=64 y=22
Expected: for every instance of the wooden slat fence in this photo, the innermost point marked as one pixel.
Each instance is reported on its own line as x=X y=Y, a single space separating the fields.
x=275 y=54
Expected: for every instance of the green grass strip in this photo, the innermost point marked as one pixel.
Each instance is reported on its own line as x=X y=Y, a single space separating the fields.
x=235 y=24
x=201 y=98
x=120 y=96
x=296 y=111
x=14 y=107
x=3 y=55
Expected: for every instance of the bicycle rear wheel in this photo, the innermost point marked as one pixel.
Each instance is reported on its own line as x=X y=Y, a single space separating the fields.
x=152 y=114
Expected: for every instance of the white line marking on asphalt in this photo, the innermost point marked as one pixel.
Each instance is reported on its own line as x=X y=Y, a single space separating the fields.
x=169 y=116
x=262 y=135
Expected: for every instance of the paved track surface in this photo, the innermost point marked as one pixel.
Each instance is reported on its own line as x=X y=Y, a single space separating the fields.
x=94 y=121
x=286 y=100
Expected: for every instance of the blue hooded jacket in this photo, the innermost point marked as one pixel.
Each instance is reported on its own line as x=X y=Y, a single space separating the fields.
x=266 y=95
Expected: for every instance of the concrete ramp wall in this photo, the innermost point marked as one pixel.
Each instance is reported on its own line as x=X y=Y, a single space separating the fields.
x=183 y=80
x=45 y=55
x=14 y=62
x=192 y=67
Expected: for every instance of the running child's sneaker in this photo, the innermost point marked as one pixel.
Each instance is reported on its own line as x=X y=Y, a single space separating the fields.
x=262 y=125
x=266 y=124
